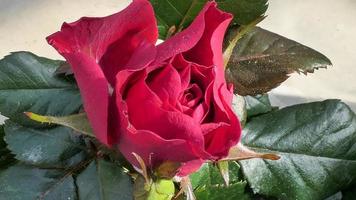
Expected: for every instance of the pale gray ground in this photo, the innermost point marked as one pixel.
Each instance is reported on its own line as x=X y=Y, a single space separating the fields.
x=326 y=25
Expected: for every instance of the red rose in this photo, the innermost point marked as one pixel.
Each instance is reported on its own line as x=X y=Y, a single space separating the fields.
x=168 y=102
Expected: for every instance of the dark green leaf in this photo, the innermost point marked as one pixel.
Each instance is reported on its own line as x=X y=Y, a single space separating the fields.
x=244 y=11
x=176 y=13
x=208 y=184
x=54 y=147
x=102 y=180
x=232 y=192
x=21 y=182
x=180 y=14
x=262 y=60
x=209 y=174
x=64 y=69
x=337 y=196
x=257 y=105
x=28 y=83
x=6 y=157
x=349 y=193
x=316 y=142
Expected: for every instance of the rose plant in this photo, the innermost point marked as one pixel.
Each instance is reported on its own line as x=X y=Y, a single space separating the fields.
x=128 y=117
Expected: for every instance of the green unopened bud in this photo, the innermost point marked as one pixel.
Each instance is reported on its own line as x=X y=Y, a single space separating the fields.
x=161 y=189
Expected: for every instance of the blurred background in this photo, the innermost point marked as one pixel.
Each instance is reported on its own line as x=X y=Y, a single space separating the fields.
x=328 y=26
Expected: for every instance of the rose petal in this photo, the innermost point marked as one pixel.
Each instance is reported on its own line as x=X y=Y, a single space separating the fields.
x=110 y=40
x=143 y=55
x=220 y=137
x=208 y=51
x=167 y=124
x=95 y=92
x=190 y=167
x=154 y=149
x=199 y=113
x=90 y=41
x=166 y=84
x=184 y=69
x=149 y=145
x=218 y=141
x=184 y=40
x=192 y=96
x=202 y=75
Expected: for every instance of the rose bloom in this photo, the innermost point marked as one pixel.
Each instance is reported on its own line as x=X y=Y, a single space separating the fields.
x=166 y=102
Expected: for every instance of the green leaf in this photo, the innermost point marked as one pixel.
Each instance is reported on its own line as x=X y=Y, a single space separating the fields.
x=78 y=122
x=209 y=174
x=262 y=60
x=28 y=83
x=244 y=11
x=232 y=192
x=316 y=142
x=208 y=184
x=21 y=182
x=103 y=180
x=238 y=33
x=52 y=147
x=180 y=14
x=349 y=193
x=64 y=69
x=337 y=196
x=257 y=105
x=239 y=107
x=176 y=13
x=6 y=157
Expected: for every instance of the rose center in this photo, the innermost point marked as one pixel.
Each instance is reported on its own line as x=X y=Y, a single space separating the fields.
x=192 y=96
